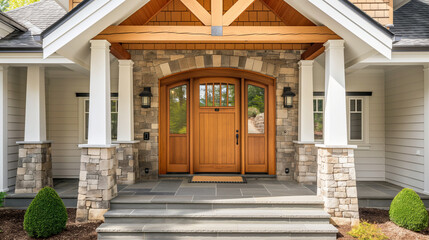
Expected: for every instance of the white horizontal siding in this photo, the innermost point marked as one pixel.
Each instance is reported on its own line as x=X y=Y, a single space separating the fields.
x=16 y=118
x=404 y=127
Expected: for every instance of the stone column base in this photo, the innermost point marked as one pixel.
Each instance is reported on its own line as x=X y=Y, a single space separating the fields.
x=34 y=170
x=305 y=163
x=128 y=170
x=97 y=183
x=336 y=183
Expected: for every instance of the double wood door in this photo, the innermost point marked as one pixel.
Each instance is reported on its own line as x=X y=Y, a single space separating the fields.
x=217 y=124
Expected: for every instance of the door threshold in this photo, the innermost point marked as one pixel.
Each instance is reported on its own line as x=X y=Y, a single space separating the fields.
x=179 y=175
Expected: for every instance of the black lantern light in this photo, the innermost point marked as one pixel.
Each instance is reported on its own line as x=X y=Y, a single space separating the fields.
x=288 y=97
x=146 y=97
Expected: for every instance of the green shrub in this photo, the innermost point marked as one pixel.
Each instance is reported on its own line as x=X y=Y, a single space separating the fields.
x=2 y=196
x=252 y=112
x=46 y=215
x=367 y=231
x=408 y=211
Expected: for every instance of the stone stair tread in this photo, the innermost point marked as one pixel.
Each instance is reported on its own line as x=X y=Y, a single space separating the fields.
x=226 y=213
x=299 y=200
x=217 y=228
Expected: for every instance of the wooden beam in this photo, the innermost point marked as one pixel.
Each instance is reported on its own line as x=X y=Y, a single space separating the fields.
x=234 y=12
x=231 y=34
x=119 y=52
x=199 y=11
x=313 y=51
x=217 y=12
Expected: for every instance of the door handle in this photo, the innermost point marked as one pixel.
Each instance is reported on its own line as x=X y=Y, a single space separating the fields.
x=236 y=136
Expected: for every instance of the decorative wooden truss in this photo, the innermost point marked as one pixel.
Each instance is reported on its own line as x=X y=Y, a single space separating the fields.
x=216 y=27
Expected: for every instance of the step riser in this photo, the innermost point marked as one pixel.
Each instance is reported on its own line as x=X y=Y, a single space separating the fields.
x=211 y=206
x=215 y=220
x=23 y=203
x=202 y=236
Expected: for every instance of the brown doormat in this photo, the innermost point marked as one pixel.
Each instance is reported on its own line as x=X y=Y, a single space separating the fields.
x=217 y=179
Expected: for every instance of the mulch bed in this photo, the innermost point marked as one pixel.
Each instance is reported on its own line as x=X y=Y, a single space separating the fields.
x=11 y=226
x=381 y=218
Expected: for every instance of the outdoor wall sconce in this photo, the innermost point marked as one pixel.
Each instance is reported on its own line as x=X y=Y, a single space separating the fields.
x=146 y=97
x=288 y=97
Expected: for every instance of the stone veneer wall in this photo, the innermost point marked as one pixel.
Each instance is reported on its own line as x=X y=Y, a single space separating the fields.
x=150 y=65
x=34 y=168
x=305 y=163
x=128 y=165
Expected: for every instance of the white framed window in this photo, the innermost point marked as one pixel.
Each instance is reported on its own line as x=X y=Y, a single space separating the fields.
x=355 y=116
x=85 y=118
x=318 y=118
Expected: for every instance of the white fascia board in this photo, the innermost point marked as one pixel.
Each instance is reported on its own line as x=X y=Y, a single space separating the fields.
x=357 y=25
x=5 y=29
x=398 y=58
x=32 y=58
x=92 y=18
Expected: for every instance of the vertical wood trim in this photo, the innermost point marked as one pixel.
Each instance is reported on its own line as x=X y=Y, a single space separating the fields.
x=70 y=5
x=217 y=12
x=162 y=130
x=243 y=133
x=191 y=94
x=271 y=122
x=391 y=12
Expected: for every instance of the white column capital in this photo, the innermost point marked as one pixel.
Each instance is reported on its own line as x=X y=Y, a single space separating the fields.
x=100 y=43
x=306 y=63
x=339 y=43
x=125 y=62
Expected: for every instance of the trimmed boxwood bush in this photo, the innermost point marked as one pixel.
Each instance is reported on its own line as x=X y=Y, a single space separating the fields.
x=46 y=215
x=408 y=211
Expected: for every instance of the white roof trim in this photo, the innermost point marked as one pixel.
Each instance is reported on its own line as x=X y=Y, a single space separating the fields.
x=356 y=24
x=398 y=58
x=32 y=58
x=89 y=21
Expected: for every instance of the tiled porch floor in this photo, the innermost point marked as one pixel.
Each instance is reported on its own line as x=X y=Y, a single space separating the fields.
x=253 y=188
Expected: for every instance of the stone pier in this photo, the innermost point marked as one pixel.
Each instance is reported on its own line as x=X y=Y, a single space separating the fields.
x=305 y=163
x=34 y=167
x=128 y=171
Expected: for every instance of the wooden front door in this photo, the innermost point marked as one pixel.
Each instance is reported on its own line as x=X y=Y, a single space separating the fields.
x=217 y=121
x=216 y=125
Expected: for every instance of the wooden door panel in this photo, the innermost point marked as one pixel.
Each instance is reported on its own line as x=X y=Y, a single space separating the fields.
x=178 y=153
x=256 y=154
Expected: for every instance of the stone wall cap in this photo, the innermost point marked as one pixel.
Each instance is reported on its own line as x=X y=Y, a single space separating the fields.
x=336 y=146
x=32 y=142
x=97 y=146
x=305 y=142
x=126 y=142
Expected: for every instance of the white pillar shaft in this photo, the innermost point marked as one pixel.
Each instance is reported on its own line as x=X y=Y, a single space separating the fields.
x=35 y=108
x=3 y=129
x=305 y=108
x=99 y=127
x=125 y=101
x=335 y=115
x=426 y=129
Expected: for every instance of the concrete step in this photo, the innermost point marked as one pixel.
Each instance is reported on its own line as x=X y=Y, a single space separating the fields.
x=177 y=202
x=226 y=230
x=212 y=216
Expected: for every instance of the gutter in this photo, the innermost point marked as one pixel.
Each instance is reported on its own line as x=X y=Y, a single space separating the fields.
x=65 y=18
x=21 y=50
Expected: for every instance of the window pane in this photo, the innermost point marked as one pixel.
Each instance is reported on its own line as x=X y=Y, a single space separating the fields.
x=178 y=110
x=114 y=125
x=352 y=105
x=86 y=124
x=255 y=109
x=314 y=105
x=202 y=95
x=231 y=95
x=320 y=105
x=86 y=105
x=209 y=95
x=318 y=126
x=216 y=95
x=114 y=106
x=223 y=95
x=356 y=126
x=359 y=105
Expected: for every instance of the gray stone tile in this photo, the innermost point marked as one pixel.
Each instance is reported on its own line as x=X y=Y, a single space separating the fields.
x=228 y=192
x=255 y=192
x=196 y=191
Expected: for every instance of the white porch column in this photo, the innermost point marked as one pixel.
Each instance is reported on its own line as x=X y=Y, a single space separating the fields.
x=335 y=116
x=125 y=101
x=305 y=107
x=3 y=129
x=426 y=129
x=35 y=108
x=99 y=127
